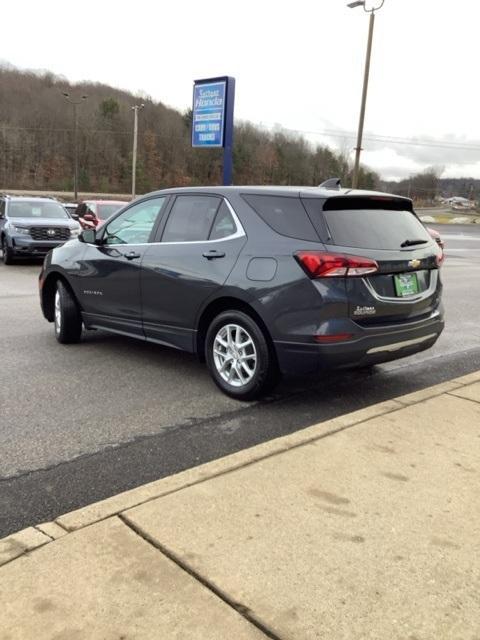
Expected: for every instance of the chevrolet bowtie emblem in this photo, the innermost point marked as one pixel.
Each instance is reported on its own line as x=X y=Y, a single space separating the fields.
x=414 y=263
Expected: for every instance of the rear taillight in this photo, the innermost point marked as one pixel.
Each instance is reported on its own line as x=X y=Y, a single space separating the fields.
x=318 y=264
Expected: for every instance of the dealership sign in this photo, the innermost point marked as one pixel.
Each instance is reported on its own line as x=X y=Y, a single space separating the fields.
x=209 y=113
x=212 y=118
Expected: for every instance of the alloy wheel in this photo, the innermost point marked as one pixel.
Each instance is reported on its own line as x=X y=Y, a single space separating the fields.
x=58 y=312
x=234 y=355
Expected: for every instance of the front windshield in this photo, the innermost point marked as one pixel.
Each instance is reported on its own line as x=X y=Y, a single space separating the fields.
x=34 y=209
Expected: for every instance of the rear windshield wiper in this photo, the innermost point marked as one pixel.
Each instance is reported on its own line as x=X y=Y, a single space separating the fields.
x=411 y=243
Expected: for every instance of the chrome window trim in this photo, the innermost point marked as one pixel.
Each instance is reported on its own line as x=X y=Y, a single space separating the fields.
x=239 y=233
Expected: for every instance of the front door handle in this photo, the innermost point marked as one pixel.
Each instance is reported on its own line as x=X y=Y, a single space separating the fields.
x=131 y=255
x=210 y=255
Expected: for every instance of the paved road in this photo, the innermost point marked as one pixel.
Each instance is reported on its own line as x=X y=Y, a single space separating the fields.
x=83 y=422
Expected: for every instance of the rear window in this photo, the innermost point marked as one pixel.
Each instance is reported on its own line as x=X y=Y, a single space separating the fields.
x=106 y=210
x=365 y=227
x=378 y=229
x=284 y=215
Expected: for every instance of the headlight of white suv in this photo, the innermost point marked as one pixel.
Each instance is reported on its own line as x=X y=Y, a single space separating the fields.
x=74 y=233
x=22 y=231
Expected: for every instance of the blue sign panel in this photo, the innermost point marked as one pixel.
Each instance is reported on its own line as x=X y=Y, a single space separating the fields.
x=209 y=109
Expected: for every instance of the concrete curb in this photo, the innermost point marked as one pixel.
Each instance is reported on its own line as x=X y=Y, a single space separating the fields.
x=29 y=539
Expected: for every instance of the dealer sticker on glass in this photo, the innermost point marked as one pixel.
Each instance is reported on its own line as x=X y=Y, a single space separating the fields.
x=406 y=284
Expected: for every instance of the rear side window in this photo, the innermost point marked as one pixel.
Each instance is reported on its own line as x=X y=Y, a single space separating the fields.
x=284 y=215
x=191 y=218
x=374 y=229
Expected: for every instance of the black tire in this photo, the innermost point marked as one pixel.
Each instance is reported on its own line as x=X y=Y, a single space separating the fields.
x=7 y=253
x=265 y=368
x=67 y=318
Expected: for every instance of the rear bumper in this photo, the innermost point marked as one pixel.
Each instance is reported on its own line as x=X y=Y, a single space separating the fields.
x=369 y=346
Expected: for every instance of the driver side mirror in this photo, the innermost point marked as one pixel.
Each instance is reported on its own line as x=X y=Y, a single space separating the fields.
x=89 y=236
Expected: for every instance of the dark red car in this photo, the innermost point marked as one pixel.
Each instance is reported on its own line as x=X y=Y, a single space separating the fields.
x=92 y=213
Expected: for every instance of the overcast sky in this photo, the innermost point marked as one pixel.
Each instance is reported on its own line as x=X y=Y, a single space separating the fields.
x=298 y=64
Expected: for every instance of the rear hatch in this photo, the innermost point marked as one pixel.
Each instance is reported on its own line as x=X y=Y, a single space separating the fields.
x=405 y=286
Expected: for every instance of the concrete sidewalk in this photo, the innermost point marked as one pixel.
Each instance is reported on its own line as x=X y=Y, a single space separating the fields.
x=365 y=526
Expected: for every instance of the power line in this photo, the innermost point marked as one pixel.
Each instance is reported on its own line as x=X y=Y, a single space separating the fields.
x=337 y=133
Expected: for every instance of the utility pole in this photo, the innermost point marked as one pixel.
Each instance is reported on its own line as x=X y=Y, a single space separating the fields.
x=358 y=148
x=136 y=108
x=75 y=104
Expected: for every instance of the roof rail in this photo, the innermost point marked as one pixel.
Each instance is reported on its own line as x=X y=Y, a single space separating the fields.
x=331 y=183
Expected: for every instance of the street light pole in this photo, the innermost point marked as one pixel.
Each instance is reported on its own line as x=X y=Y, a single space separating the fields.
x=75 y=104
x=75 y=151
x=361 y=122
x=136 y=108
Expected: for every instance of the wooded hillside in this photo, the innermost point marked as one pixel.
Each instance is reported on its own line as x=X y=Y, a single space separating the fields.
x=36 y=143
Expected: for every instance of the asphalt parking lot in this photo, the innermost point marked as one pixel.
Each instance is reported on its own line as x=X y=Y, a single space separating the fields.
x=81 y=422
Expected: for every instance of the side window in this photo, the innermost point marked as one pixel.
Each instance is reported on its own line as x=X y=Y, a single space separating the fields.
x=191 y=218
x=134 y=225
x=224 y=224
x=285 y=215
x=2 y=208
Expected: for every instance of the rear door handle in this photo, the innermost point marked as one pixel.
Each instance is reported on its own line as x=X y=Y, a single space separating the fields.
x=210 y=255
x=131 y=255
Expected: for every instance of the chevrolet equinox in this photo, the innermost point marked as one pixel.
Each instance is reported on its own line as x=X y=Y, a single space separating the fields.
x=257 y=281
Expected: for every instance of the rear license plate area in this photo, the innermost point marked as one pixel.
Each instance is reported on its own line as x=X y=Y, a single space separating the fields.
x=406 y=284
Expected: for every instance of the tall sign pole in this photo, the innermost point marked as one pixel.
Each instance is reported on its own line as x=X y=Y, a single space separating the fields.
x=212 y=118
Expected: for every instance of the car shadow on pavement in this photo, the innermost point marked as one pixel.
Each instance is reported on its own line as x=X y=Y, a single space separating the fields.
x=365 y=386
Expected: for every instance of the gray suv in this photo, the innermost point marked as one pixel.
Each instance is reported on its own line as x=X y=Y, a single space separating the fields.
x=257 y=281
x=30 y=227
